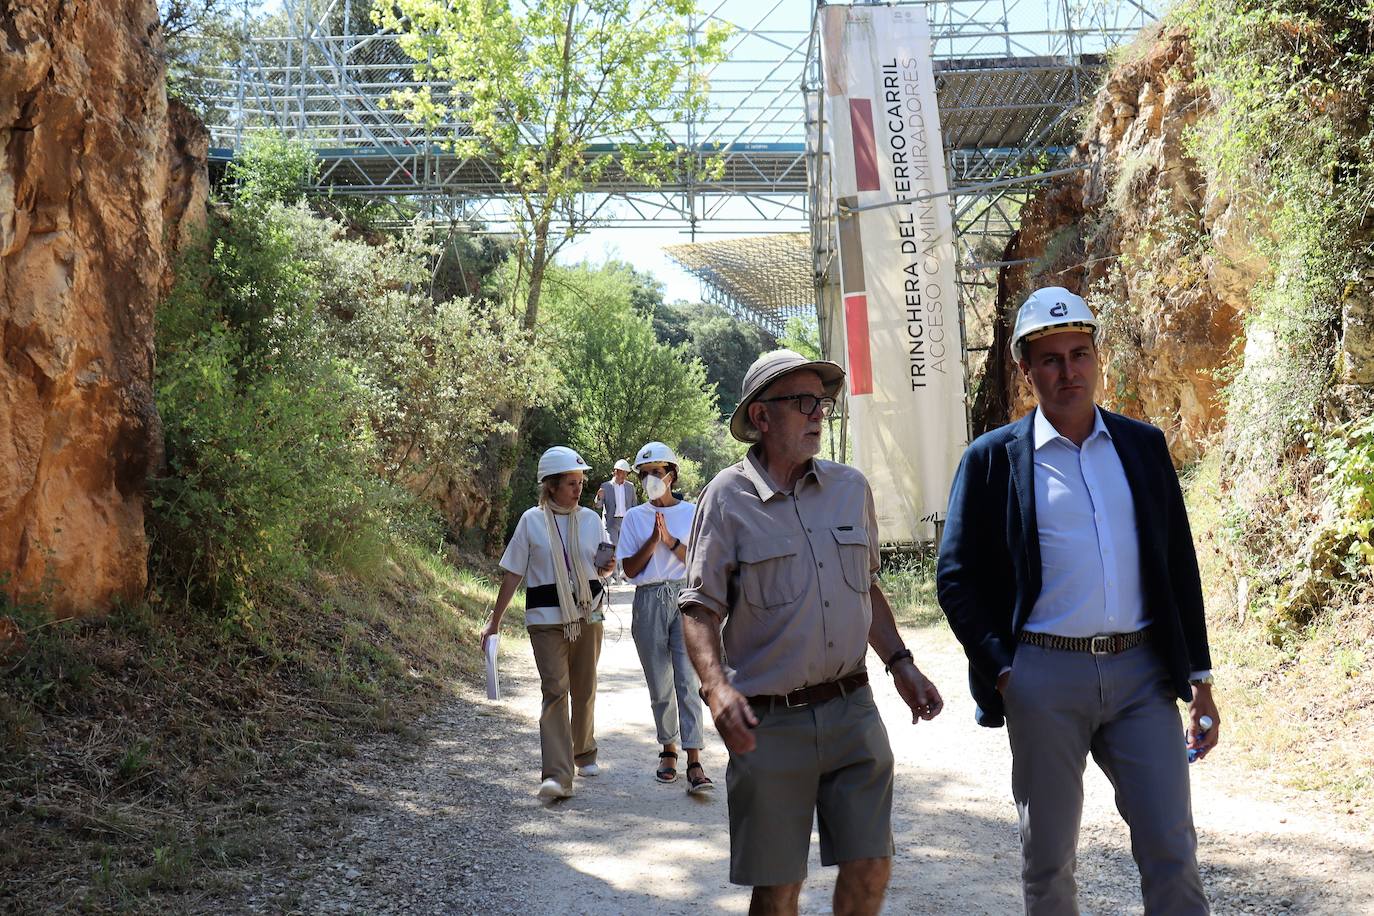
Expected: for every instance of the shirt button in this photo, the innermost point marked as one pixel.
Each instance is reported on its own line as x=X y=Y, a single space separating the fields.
x=827 y=604
x=830 y=644
x=820 y=565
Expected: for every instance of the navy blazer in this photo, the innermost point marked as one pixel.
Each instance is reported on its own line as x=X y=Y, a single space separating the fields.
x=988 y=575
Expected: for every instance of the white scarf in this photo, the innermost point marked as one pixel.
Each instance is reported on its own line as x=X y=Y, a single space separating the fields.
x=574 y=597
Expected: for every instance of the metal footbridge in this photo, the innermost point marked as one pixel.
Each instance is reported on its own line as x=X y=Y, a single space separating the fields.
x=1010 y=75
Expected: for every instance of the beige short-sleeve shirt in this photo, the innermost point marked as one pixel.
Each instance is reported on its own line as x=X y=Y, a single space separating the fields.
x=789 y=573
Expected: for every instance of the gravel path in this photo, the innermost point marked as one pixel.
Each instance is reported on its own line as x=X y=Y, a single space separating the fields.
x=454 y=826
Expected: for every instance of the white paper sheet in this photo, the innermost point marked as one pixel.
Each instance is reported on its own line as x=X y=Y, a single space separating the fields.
x=493 y=684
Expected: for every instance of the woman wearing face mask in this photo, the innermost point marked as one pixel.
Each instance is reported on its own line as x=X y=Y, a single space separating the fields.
x=653 y=552
x=554 y=550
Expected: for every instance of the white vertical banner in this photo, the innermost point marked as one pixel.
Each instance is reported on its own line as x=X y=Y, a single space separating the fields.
x=903 y=349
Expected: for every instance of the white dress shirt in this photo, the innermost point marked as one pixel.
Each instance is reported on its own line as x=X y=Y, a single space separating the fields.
x=1089 y=551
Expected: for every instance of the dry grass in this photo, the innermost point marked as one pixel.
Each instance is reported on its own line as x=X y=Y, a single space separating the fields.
x=140 y=755
x=1301 y=709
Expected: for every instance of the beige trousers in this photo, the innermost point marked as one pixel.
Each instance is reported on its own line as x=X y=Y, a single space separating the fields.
x=567 y=671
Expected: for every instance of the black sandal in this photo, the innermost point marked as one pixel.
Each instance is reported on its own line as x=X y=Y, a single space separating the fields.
x=700 y=782
x=666 y=773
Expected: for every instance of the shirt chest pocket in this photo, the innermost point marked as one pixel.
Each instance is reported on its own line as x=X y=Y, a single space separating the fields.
x=852 y=544
x=768 y=571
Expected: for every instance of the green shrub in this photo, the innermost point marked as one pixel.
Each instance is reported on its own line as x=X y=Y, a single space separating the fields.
x=313 y=392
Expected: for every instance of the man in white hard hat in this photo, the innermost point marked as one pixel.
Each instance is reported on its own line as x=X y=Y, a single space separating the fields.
x=614 y=498
x=784 y=552
x=1067 y=571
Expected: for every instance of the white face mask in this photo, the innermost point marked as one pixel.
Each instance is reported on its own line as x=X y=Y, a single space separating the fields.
x=654 y=487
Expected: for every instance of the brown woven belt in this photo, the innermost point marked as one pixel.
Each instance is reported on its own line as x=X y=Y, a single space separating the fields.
x=1110 y=644
x=817 y=693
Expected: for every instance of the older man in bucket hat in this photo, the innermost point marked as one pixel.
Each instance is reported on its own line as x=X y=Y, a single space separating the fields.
x=784 y=553
x=1068 y=573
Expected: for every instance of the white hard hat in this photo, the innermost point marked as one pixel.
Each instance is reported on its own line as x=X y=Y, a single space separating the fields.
x=623 y=465
x=560 y=460
x=655 y=453
x=1051 y=310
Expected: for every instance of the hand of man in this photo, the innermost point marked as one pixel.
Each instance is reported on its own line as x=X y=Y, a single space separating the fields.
x=1203 y=705
x=917 y=691
x=734 y=718
x=1002 y=680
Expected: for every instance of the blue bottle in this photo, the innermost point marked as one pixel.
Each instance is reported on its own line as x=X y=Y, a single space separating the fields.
x=1206 y=723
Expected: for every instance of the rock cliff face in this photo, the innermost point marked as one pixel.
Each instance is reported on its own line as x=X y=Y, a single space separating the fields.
x=85 y=160
x=1167 y=330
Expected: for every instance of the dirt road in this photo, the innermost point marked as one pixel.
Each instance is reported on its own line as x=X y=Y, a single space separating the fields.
x=456 y=828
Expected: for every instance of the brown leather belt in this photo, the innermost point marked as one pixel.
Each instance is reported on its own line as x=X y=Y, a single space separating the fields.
x=817 y=693
x=1110 y=644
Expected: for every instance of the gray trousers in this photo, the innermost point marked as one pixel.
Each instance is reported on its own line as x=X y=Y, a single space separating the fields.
x=613 y=532
x=1061 y=706
x=656 y=626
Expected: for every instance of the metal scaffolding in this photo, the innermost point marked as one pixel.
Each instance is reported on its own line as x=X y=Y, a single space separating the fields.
x=1009 y=76
x=762 y=279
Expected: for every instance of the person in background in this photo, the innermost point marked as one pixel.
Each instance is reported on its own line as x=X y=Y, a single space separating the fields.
x=784 y=551
x=554 y=551
x=615 y=498
x=1067 y=571
x=652 y=551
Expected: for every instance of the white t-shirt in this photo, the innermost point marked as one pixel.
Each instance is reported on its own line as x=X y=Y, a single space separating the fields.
x=638 y=527
x=528 y=554
x=619 y=498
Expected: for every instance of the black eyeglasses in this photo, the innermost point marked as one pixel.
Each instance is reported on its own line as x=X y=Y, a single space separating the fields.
x=806 y=403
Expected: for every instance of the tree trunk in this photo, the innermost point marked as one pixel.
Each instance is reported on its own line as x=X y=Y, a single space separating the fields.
x=538 y=265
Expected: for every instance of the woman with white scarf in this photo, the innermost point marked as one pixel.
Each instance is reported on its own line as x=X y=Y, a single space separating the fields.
x=555 y=550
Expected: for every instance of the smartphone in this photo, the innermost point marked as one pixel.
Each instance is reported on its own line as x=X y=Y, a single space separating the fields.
x=605 y=553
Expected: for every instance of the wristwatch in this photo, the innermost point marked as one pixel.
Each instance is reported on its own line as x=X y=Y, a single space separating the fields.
x=1204 y=679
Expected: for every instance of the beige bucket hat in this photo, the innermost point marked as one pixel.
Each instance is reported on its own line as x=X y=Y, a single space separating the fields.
x=766 y=370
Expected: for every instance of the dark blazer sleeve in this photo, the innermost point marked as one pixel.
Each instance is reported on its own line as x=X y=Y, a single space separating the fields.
x=1181 y=556
x=970 y=567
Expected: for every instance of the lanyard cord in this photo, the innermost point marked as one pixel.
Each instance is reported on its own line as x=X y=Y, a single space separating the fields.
x=567 y=560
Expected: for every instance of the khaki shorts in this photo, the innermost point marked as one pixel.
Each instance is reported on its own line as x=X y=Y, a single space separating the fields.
x=832 y=762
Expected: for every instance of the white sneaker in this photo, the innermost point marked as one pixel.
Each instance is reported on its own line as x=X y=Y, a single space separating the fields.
x=552 y=788
x=590 y=769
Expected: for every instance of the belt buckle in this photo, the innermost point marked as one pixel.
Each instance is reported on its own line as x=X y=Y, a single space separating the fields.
x=1106 y=645
x=787 y=700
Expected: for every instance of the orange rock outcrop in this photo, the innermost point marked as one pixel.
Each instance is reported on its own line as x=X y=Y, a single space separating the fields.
x=1159 y=256
x=85 y=162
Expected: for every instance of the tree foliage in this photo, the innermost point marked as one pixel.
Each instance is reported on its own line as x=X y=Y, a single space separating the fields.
x=199 y=37
x=622 y=387
x=725 y=345
x=541 y=83
x=310 y=387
